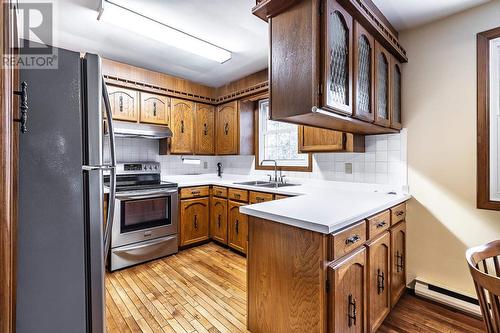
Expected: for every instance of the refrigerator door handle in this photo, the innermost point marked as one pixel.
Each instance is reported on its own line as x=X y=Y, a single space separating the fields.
x=97 y=167
x=112 y=175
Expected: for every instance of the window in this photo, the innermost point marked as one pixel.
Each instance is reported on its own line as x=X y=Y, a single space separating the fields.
x=488 y=119
x=279 y=141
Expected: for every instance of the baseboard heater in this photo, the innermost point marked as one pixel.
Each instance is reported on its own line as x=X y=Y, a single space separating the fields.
x=450 y=298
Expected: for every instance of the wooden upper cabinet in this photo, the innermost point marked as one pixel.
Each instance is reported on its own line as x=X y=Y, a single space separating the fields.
x=337 y=60
x=237 y=227
x=396 y=93
x=227 y=129
x=194 y=220
x=398 y=261
x=124 y=103
x=346 y=300
x=379 y=301
x=182 y=126
x=364 y=50
x=155 y=109
x=317 y=140
x=204 y=129
x=382 y=85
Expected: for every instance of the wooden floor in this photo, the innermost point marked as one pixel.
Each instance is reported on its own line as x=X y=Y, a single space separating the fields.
x=203 y=289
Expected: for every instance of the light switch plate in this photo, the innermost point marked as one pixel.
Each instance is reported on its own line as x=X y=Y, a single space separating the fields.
x=348 y=168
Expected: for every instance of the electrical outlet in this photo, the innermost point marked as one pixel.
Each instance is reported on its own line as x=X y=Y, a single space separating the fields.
x=205 y=165
x=348 y=168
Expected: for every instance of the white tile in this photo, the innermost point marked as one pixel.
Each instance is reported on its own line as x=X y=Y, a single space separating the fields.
x=381 y=156
x=381 y=167
x=381 y=144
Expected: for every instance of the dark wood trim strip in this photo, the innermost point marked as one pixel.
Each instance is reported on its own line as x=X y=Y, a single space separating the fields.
x=483 y=120
x=8 y=179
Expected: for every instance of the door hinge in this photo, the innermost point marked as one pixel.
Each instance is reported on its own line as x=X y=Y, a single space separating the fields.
x=320 y=89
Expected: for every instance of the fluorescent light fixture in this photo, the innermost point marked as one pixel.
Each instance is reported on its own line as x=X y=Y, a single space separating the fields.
x=187 y=160
x=128 y=19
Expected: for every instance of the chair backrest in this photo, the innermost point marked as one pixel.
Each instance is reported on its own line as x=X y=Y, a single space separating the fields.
x=485 y=270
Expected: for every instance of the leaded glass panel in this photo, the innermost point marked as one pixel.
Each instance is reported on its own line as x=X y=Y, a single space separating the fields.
x=338 y=90
x=363 y=89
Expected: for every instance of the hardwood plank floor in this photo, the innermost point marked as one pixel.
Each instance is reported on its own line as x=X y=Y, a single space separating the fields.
x=203 y=289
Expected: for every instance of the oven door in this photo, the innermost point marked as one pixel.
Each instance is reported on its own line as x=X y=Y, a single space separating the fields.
x=143 y=216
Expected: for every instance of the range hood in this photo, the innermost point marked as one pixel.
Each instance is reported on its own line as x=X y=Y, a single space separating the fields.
x=138 y=130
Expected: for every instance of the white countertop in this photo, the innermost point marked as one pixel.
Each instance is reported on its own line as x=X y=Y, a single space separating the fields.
x=319 y=205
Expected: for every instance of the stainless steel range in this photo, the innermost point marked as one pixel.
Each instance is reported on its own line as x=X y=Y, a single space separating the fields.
x=145 y=226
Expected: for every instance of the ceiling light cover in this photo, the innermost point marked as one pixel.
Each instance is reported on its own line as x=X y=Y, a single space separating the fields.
x=140 y=24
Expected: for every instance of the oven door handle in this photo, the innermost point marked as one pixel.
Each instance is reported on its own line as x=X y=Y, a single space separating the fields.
x=152 y=195
x=143 y=244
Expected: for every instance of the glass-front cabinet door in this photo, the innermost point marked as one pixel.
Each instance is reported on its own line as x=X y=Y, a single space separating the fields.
x=396 y=95
x=337 y=85
x=364 y=45
x=382 y=85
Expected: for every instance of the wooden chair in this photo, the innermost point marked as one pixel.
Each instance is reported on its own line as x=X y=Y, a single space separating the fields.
x=483 y=260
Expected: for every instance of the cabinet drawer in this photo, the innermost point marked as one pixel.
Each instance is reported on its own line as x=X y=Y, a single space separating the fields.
x=280 y=196
x=219 y=191
x=257 y=197
x=379 y=223
x=347 y=240
x=238 y=195
x=398 y=213
x=194 y=192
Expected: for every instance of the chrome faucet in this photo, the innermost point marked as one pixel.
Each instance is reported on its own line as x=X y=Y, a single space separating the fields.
x=219 y=169
x=275 y=168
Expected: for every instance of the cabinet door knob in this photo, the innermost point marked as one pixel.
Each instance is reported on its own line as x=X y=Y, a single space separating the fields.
x=399 y=262
x=226 y=128
x=154 y=109
x=182 y=126
x=352 y=240
x=380 y=281
x=120 y=103
x=237 y=227
x=218 y=221
x=351 y=310
x=205 y=129
x=196 y=221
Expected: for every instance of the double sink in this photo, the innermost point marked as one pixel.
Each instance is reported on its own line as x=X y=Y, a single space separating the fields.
x=259 y=183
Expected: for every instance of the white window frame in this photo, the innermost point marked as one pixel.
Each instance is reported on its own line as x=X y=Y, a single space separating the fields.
x=495 y=119
x=262 y=131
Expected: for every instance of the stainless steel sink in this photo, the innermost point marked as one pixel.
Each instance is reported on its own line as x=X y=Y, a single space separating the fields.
x=255 y=183
x=266 y=184
x=278 y=185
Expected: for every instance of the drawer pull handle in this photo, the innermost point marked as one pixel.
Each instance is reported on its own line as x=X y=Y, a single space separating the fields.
x=237 y=195
x=400 y=213
x=259 y=199
x=351 y=309
x=196 y=221
x=195 y=192
x=381 y=224
x=352 y=240
x=380 y=282
x=237 y=227
x=400 y=266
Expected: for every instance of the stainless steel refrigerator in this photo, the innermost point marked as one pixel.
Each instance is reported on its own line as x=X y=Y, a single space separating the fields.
x=62 y=240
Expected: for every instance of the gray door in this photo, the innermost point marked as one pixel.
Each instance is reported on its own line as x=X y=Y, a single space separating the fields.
x=51 y=275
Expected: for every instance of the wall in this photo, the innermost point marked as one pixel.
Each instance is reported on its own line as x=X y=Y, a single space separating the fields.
x=384 y=161
x=439 y=103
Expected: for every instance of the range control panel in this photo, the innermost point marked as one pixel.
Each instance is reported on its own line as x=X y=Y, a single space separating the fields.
x=138 y=167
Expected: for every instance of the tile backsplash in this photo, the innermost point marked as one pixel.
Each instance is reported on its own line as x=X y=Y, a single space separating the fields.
x=384 y=161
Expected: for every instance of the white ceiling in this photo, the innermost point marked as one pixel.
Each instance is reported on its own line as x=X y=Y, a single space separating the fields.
x=225 y=23
x=407 y=14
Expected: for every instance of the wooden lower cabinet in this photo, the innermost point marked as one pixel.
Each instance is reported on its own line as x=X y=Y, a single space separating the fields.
x=237 y=227
x=379 y=302
x=347 y=296
x=398 y=261
x=194 y=220
x=218 y=219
